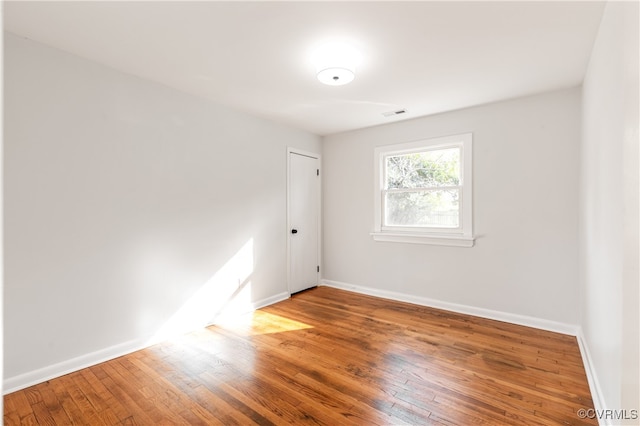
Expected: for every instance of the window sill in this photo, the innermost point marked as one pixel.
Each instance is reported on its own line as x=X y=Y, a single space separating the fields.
x=440 y=240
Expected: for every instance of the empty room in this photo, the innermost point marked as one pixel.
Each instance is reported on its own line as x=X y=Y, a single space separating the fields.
x=331 y=213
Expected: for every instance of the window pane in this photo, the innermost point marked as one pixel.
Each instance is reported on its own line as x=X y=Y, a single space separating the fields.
x=424 y=169
x=438 y=208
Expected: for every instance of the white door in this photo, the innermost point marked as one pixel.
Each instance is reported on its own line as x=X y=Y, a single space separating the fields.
x=303 y=220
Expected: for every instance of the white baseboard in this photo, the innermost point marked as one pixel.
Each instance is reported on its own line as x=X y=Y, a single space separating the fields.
x=270 y=300
x=594 y=385
x=246 y=308
x=21 y=381
x=527 y=321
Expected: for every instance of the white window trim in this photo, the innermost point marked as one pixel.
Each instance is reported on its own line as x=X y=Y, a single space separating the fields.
x=459 y=237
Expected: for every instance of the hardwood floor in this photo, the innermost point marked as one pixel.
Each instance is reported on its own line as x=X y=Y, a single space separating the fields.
x=327 y=357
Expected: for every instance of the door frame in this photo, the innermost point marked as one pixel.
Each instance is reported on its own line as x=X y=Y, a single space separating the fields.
x=317 y=156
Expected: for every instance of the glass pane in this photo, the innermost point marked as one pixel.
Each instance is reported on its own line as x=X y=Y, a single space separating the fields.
x=438 y=208
x=427 y=169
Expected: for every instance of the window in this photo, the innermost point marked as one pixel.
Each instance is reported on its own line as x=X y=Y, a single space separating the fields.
x=423 y=192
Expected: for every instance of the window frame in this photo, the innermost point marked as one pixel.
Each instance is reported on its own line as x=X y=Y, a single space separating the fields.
x=462 y=235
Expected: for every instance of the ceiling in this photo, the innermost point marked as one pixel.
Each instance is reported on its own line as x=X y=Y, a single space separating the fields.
x=425 y=57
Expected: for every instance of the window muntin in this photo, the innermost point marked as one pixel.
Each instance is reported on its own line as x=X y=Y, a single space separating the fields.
x=423 y=192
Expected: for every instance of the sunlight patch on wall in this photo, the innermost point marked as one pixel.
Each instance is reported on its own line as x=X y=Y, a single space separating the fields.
x=227 y=292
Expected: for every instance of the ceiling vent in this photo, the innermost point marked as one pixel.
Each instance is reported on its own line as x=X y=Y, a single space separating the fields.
x=392 y=113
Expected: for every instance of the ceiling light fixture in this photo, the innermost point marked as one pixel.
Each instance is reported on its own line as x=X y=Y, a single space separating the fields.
x=336 y=76
x=336 y=63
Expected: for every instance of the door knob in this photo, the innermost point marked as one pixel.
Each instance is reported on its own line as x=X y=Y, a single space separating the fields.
x=294 y=231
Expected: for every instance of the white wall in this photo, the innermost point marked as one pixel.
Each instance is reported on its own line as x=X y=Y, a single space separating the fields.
x=609 y=208
x=525 y=260
x=123 y=200
x=1 y=225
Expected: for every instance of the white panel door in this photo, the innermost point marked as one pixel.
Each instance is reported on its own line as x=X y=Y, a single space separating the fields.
x=304 y=221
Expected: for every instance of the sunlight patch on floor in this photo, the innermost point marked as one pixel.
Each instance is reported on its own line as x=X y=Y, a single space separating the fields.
x=261 y=322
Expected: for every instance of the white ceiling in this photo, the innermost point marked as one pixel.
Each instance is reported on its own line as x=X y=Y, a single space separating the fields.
x=427 y=57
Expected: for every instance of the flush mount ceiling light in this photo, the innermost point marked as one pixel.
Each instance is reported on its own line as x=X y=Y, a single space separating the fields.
x=336 y=76
x=336 y=63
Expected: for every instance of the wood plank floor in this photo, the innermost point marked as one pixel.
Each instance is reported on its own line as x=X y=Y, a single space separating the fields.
x=327 y=357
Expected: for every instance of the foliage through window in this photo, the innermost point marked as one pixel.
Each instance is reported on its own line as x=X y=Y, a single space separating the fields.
x=425 y=187
x=422 y=189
